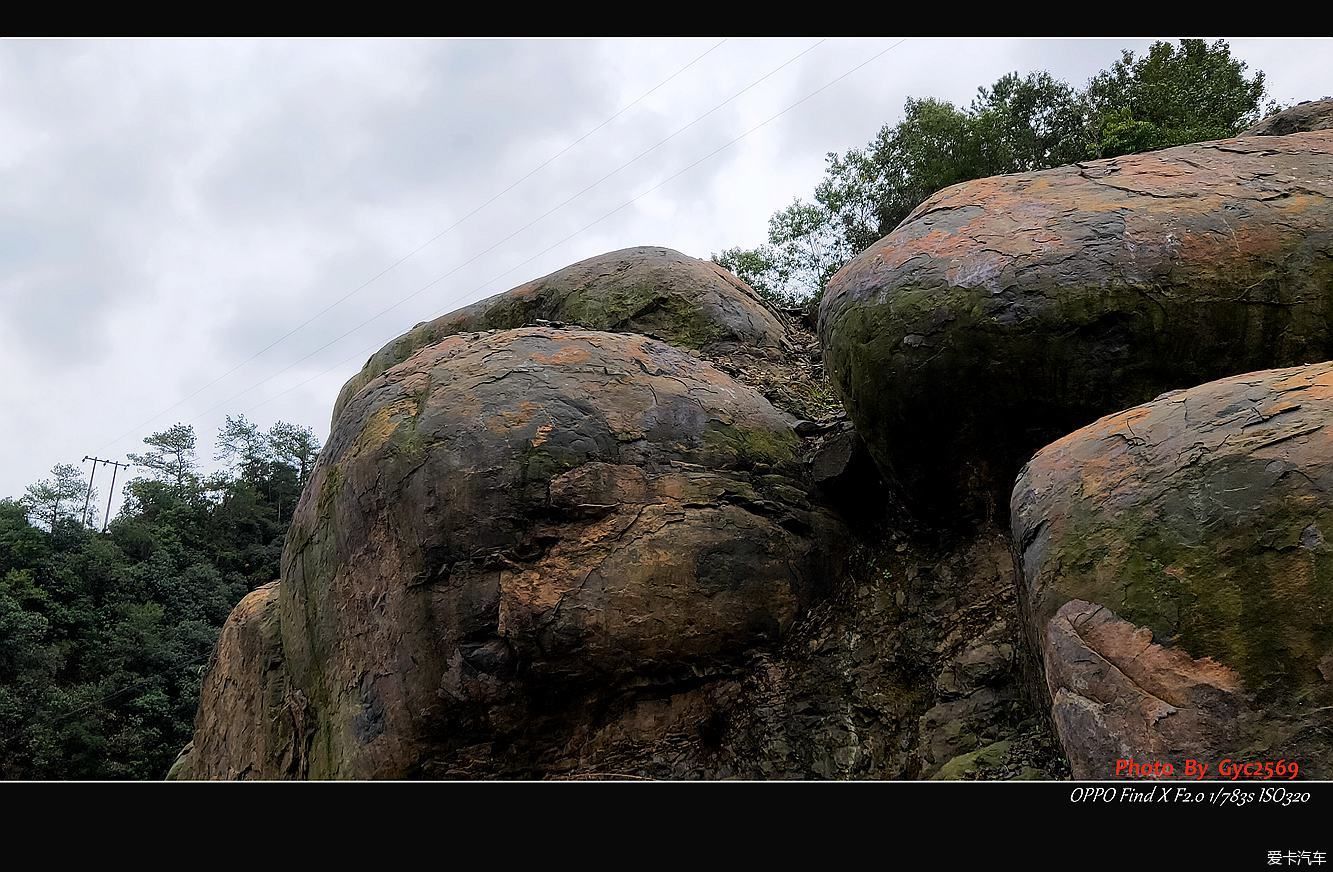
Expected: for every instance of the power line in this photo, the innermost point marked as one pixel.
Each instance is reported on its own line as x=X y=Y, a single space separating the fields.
x=586 y=227
x=52 y=721
x=670 y=178
x=497 y=244
x=684 y=170
x=576 y=233
x=419 y=248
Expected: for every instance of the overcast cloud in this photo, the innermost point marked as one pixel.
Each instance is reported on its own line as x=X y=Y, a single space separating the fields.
x=168 y=208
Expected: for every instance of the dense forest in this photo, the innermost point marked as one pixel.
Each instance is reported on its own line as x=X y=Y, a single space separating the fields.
x=104 y=637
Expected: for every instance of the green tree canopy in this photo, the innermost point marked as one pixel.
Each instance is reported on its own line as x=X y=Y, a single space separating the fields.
x=242 y=446
x=294 y=445
x=60 y=498
x=104 y=638
x=171 y=455
x=1171 y=96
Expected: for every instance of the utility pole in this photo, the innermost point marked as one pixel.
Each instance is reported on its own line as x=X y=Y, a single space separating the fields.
x=116 y=466
x=83 y=521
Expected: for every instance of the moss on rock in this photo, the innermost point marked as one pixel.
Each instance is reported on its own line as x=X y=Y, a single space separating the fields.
x=1006 y=312
x=653 y=291
x=1201 y=519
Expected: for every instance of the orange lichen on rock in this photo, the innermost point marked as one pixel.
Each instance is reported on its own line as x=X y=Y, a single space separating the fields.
x=1201 y=519
x=1005 y=312
x=647 y=290
x=617 y=518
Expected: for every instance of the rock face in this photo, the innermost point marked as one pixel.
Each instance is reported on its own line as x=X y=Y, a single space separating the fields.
x=513 y=523
x=657 y=292
x=562 y=553
x=532 y=549
x=1118 y=695
x=1005 y=312
x=1301 y=118
x=1178 y=577
x=251 y=722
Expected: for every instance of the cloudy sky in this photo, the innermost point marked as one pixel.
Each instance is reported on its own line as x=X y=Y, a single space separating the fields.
x=190 y=228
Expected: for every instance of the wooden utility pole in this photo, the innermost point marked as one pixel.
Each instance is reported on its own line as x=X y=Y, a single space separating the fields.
x=116 y=466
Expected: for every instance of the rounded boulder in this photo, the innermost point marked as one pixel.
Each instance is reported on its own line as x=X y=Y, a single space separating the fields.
x=1301 y=118
x=505 y=520
x=1178 y=577
x=649 y=290
x=1005 y=312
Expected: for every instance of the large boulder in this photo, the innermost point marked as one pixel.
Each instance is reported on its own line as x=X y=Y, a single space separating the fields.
x=251 y=723
x=653 y=291
x=1301 y=118
x=510 y=522
x=1005 y=312
x=1178 y=577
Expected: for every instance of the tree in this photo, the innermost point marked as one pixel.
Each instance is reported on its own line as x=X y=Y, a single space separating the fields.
x=1170 y=96
x=295 y=445
x=172 y=457
x=58 y=498
x=758 y=268
x=242 y=446
x=936 y=145
x=1173 y=95
x=809 y=249
x=1028 y=123
x=804 y=250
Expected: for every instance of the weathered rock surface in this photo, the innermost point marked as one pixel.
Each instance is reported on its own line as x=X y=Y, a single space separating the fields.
x=841 y=689
x=1118 y=695
x=1005 y=312
x=988 y=762
x=1178 y=577
x=653 y=291
x=562 y=553
x=511 y=523
x=864 y=684
x=251 y=721
x=1301 y=118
